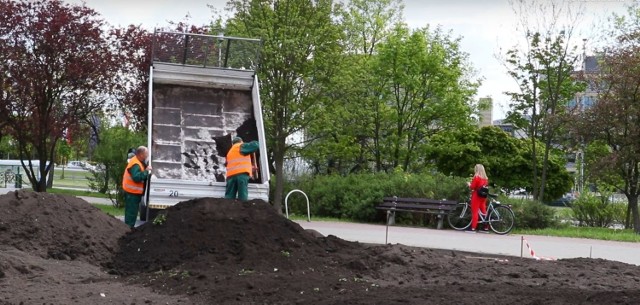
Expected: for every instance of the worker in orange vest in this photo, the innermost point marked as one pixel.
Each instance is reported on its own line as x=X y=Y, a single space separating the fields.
x=133 y=183
x=239 y=169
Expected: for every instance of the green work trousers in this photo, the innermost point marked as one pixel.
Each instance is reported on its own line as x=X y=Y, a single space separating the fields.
x=131 y=208
x=237 y=186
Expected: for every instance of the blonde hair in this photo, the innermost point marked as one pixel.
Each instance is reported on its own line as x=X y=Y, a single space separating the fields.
x=480 y=172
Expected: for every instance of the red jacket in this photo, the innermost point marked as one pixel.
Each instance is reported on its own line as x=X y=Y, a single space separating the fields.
x=477 y=183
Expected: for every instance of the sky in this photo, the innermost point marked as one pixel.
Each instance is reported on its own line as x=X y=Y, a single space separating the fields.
x=485 y=26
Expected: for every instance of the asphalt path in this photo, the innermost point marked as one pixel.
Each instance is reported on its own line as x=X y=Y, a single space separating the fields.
x=543 y=246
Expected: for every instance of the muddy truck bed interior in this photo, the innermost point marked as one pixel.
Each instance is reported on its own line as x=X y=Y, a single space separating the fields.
x=203 y=91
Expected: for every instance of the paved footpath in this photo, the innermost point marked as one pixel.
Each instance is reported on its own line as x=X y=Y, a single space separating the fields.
x=545 y=246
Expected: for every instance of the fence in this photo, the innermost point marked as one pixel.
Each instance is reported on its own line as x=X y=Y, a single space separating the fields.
x=206 y=50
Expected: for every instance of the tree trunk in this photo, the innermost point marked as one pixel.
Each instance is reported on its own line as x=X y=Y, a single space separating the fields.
x=627 y=218
x=105 y=186
x=534 y=163
x=376 y=138
x=278 y=156
x=396 y=148
x=633 y=204
x=41 y=186
x=50 y=177
x=545 y=165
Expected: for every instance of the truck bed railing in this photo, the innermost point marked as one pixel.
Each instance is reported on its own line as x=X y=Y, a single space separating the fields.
x=207 y=51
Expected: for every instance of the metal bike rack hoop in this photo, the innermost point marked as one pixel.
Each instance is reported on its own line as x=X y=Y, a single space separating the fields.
x=286 y=205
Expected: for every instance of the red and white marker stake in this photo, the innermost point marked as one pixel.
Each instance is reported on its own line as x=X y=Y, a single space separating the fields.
x=532 y=253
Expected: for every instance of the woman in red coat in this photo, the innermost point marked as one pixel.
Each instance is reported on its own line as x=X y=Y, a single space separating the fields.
x=478 y=203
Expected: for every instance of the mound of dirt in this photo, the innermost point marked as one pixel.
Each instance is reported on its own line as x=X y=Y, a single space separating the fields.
x=58 y=227
x=217 y=251
x=216 y=246
x=34 y=280
x=226 y=231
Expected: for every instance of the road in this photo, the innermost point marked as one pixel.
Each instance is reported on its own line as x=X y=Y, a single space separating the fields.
x=544 y=246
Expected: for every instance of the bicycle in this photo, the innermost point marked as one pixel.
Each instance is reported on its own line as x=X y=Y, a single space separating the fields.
x=9 y=176
x=499 y=217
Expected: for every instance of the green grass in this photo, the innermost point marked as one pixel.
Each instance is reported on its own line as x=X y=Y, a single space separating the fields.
x=77 y=193
x=327 y=219
x=71 y=178
x=110 y=209
x=585 y=232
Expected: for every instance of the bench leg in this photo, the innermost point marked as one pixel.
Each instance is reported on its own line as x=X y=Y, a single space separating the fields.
x=440 y=222
x=392 y=219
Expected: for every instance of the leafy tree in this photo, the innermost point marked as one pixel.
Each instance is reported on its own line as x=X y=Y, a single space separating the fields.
x=298 y=59
x=134 y=48
x=614 y=118
x=416 y=84
x=354 y=147
x=427 y=89
x=56 y=63
x=543 y=70
x=7 y=148
x=111 y=154
x=368 y=22
x=131 y=93
x=63 y=152
x=506 y=159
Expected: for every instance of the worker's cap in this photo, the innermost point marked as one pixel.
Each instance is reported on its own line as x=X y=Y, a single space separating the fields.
x=130 y=155
x=236 y=140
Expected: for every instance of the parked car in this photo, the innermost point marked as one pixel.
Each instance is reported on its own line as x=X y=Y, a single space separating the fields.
x=79 y=165
x=565 y=201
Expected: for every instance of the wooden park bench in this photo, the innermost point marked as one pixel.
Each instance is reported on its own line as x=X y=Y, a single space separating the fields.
x=417 y=205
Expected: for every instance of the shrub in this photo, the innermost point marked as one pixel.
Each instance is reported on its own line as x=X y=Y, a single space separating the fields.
x=111 y=154
x=532 y=214
x=597 y=211
x=355 y=196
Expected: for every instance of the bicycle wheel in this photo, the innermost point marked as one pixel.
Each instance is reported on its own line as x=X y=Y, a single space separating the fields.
x=501 y=219
x=460 y=217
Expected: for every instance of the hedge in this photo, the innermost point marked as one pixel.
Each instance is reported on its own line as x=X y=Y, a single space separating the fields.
x=355 y=196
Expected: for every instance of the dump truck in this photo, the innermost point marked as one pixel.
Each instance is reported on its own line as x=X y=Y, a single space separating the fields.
x=203 y=91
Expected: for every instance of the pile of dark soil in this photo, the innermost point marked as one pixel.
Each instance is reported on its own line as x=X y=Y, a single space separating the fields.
x=215 y=251
x=51 y=249
x=31 y=279
x=222 y=252
x=226 y=251
x=58 y=227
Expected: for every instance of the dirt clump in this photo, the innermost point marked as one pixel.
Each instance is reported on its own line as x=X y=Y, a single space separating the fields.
x=58 y=227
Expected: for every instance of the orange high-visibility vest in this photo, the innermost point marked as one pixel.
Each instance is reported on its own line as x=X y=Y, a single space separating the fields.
x=237 y=163
x=128 y=184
